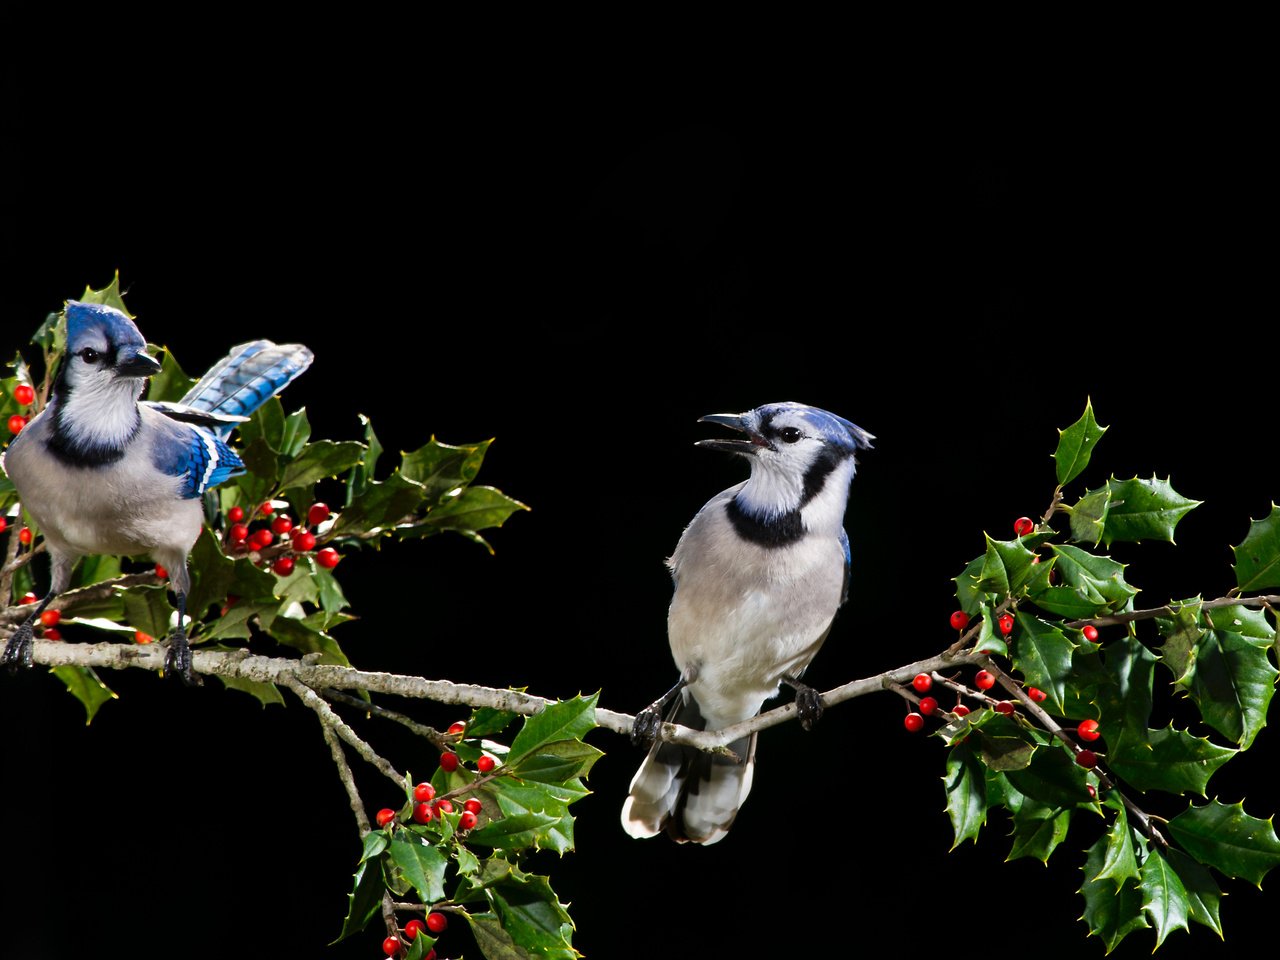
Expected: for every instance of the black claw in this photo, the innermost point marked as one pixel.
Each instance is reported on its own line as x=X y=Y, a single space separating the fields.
x=808 y=706
x=17 y=652
x=177 y=662
x=646 y=726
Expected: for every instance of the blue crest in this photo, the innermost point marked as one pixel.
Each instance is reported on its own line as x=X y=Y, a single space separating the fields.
x=85 y=319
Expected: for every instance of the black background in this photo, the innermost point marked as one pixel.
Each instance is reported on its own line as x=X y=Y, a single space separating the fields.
x=582 y=277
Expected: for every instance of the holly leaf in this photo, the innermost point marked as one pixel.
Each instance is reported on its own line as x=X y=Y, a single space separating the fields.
x=1075 y=445
x=267 y=424
x=265 y=693
x=1044 y=656
x=1131 y=669
x=362 y=474
x=557 y=762
x=968 y=594
x=109 y=295
x=472 y=509
x=1053 y=778
x=294 y=436
x=306 y=639
x=83 y=684
x=366 y=896
x=1144 y=510
x=568 y=719
x=1168 y=759
x=514 y=798
x=533 y=916
x=1006 y=567
x=1164 y=899
x=1233 y=684
x=1110 y=913
x=1119 y=862
x=1228 y=839
x=422 y=865
x=148 y=609
x=1203 y=893
x=214 y=576
x=1038 y=830
x=1258 y=555
x=1100 y=577
x=1182 y=633
x=516 y=832
x=442 y=468
x=171 y=383
x=1240 y=619
x=1089 y=516
x=494 y=942
x=382 y=504
x=319 y=460
x=486 y=721
x=966 y=787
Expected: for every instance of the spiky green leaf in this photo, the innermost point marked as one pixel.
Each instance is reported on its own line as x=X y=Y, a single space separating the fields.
x=294 y=436
x=1203 y=894
x=365 y=898
x=1182 y=633
x=109 y=295
x=534 y=917
x=557 y=762
x=265 y=693
x=1228 y=839
x=1258 y=555
x=1119 y=862
x=1144 y=510
x=382 y=505
x=569 y=719
x=363 y=474
x=319 y=460
x=471 y=510
x=1075 y=445
x=966 y=787
x=1168 y=759
x=1089 y=516
x=1052 y=778
x=1233 y=684
x=1043 y=654
x=1110 y=914
x=1164 y=899
x=442 y=468
x=148 y=609
x=1243 y=620
x=486 y=721
x=494 y=942
x=83 y=684
x=968 y=594
x=422 y=865
x=1006 y=567
x=1038 y=829
x=1100 y=577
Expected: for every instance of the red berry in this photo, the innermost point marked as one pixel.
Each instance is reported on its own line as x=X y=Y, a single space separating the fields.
x=235 y=514
x=913 y=722
x=984 y=680
x=161 y=572
x=422 y=812
x=1087 y=759
x=267 y=509
x=467 y=820
x=4 y=524
x=1090 y=633
x=261 y=538
x=457 y=727
x=304 y=541
x=959 y=620
x=448 y=761
x=24 y=394
x=391 y=946
x=28 y=597
x=1006 y=624
x=1036 y=695
x=385 y=816
x=472 y=806
x=1023 y=525
x=922 y=682
x=1006 y=707
x=16 y=423
x=25 y=535
x=283 y=566
x=51 y=618
x=960 y=710
x=328 y=558
x=140 y=637
x=239 y=533
x=317 y=513
x=1093 y=793
x=424 y=791
x=445 y=805
x=282 y=523
x=436 y=922
x=485 y=763
x=927 y=706
x=51 y=633
x=413 y=928
x=1088 y=730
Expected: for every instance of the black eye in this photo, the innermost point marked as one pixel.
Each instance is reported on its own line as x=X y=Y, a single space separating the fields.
x=790 y=434
x=89 y=355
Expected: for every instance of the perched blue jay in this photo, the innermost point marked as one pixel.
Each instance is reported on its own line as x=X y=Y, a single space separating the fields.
x=759 y=574
x=102 y=472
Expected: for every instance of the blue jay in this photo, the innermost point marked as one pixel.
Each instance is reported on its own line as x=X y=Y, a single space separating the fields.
x=759 y=574
x=102 y=472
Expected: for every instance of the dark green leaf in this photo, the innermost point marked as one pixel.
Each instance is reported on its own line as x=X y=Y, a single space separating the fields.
x=1119 y=862
x=475 y=508
x=263 y=465
x=494 y=942
x=1044 y=656
x=988 y=641
x=1006 y=567
x=1037 y=831
x=267 y=693
x=1233 y=684
x=296 y=634
x=83 y=684
x=1242 y=620
x=109 y=295
x=380 y=506
x=364 y=899
x=95 y=569
x=966 y=793
x=266 y=424
x=235 y=623
x=214 y=576
x=294 y=436
x=485 y=721
x=1163 y=897
x=1089 y=515
x=516 y=832
x=556 y=762
x=1227 y=838
x=969 y=596
x=515 y=798
x=1074 y=603
x=533 y=916
x=1202 y=890
x=1053 y=778
x=1075 y=445
x=423 y=866
x=319 y=460
x=51 y=336
x=1258 y=556
x=1100 y=578
x=569 y=719
x=1110 y=914
x=1131 y=667
x=148 y=609
x=440 y=467
x=1182 y=633
x=171 y=383
x=420 y=947
x=1144 y=510
x=1168 y=759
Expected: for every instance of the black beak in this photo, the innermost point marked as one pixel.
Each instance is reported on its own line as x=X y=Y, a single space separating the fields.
x=734 y=421
x=138 y=365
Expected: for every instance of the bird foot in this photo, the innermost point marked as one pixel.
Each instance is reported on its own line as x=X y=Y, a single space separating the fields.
x=17 y=652
x=647 y=724
x=177 y=662
x=808 y=704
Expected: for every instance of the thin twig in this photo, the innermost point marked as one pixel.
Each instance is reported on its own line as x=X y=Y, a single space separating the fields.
x=439 y=740
x=335 y=722
x=17 y=561
x=348 y=781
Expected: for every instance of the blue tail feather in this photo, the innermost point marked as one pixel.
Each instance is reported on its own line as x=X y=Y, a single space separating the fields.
x=247 y=377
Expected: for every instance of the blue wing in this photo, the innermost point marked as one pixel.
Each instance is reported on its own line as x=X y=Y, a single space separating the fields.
x=848 y=566
x=199 y=457
x=246 y=378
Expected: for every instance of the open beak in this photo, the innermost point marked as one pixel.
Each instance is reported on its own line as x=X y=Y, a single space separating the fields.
x=734 y=421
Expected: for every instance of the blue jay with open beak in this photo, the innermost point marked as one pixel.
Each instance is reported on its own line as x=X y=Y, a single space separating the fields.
x=759 y=575
x=104 y=473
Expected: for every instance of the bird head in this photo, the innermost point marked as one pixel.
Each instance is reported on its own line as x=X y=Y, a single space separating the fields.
x=794 y=451
x=104 y=347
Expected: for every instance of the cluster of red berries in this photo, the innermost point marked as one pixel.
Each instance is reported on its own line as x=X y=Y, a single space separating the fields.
x=25 y=396
x=300 y=540
x=437 y=923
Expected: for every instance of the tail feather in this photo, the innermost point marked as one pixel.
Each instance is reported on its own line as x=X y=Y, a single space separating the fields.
x=692 y=795
x=247 y=377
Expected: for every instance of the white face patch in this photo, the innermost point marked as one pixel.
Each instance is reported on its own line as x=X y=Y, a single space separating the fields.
x=102 y=410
